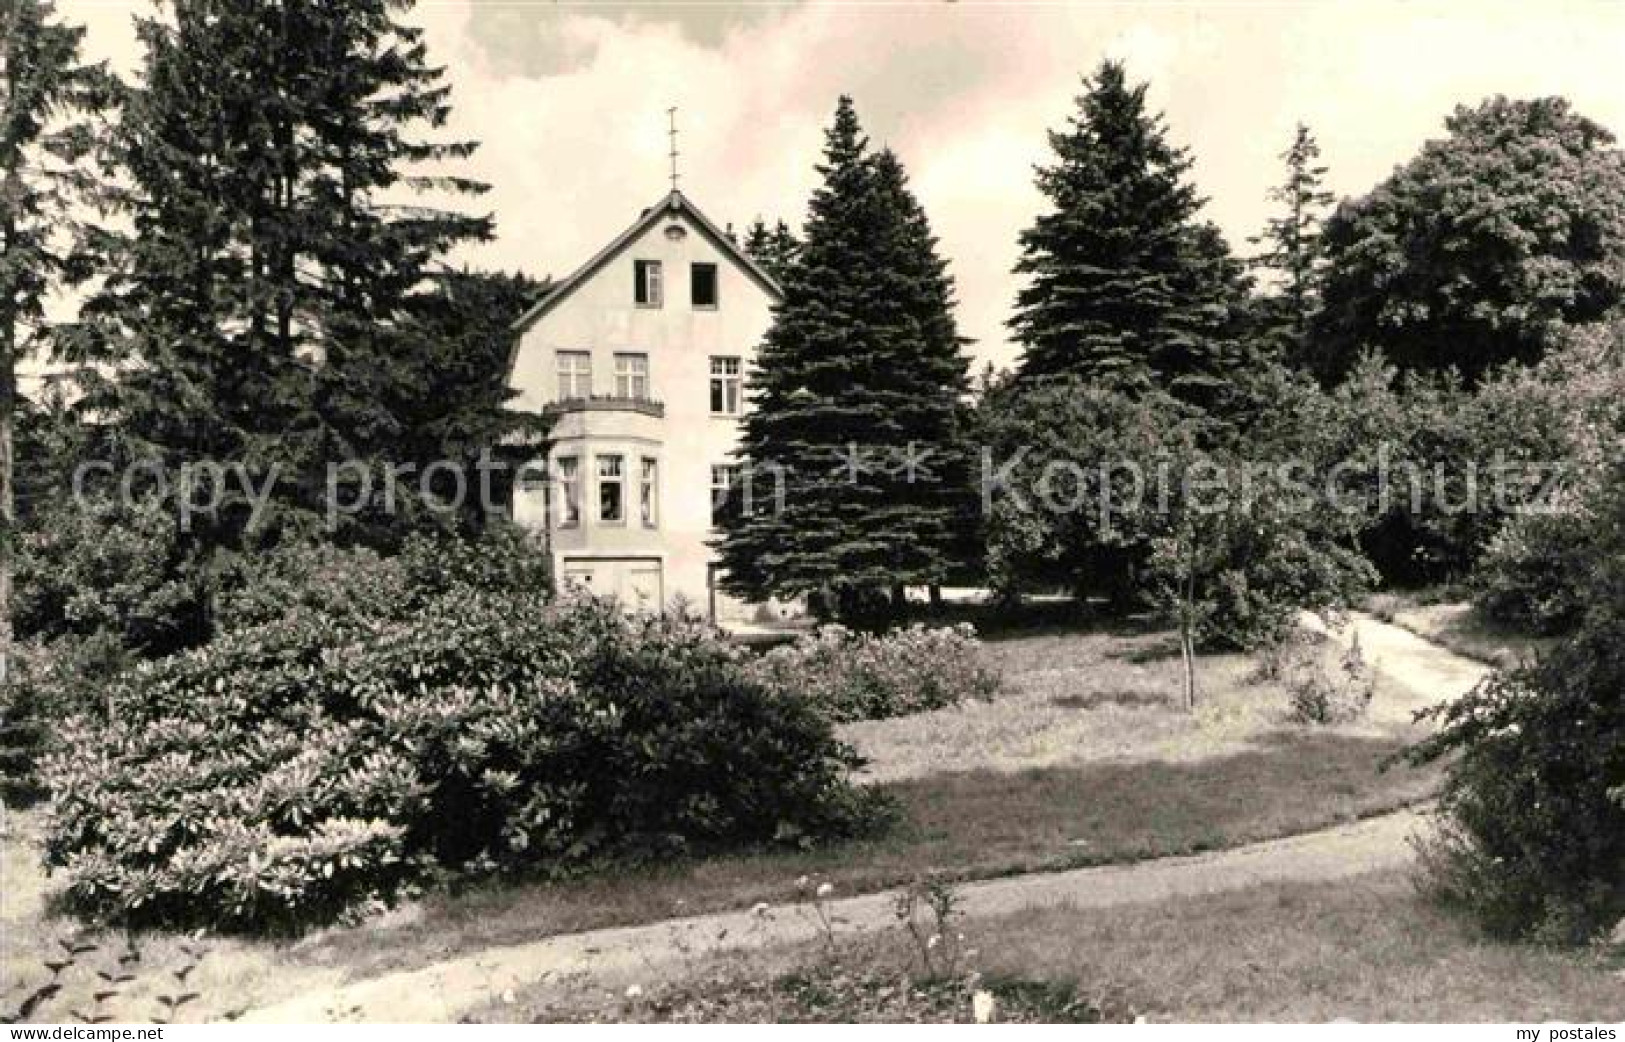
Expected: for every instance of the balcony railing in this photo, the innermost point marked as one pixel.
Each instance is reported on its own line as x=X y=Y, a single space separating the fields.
x=607 y=403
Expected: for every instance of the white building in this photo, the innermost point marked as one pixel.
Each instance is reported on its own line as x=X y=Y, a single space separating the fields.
x=641 y=358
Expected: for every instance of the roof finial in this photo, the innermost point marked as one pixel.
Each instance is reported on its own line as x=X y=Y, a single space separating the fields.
x=671 y=115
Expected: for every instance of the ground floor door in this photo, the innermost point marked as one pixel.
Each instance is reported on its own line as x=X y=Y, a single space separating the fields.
x=638 y=582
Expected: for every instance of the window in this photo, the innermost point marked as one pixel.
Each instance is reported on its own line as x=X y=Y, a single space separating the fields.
x=725 y=386
x=646 y=288
x=702 y=285
x=632 y=376
x=648 y=492
x=575 y=375
x=569 y=491
x=611 y=491
x=724 y=486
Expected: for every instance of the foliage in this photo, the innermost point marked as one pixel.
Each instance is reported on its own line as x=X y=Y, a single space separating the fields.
x=1481 y=249
x=1069 y=466
x=1292 y=246
x=45 y=138
x=1534 y=798
x=52 y=682
x=464 y=342
x=1125 y=285
x=1533 y=572
x=855 y=480
x=357 y=584
x=773 y=249
x=1232 y=570
x=1532 y=575
x=266 y=273
x=858 y=676
x=101 y=566
x=1325 y=686
x=309 y=769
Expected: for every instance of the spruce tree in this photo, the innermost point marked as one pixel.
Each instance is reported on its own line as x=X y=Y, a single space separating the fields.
x=1123 y=287
x=264 y=308
x=46 y=95
x=772 y=248
x=1292 y=246
x=855 y=401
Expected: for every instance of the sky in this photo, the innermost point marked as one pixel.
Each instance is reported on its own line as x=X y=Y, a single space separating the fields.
x=570 y=103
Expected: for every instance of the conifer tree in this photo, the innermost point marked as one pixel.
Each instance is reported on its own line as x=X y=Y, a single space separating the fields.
x=1122 y=285
x=772 y=248
x=45 y=94
x=856 y=401
x=1292 y=245
x=263 y=310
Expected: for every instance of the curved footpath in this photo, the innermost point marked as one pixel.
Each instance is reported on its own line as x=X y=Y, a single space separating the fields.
x=447 y=990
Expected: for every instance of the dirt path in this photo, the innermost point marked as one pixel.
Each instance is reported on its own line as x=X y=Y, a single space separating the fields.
x=1421 y=674
x=1425 y=673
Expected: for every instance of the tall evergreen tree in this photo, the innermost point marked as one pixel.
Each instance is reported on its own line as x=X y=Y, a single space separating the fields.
x=856 y=401
x=47 y=92
x=263 y=310
x=1292 y=248
x=467 y=332
x=1120 y=276
x=772 y=248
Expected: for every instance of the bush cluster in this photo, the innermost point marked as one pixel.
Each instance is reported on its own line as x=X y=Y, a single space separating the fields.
x=1533 y=811
x=1324 y=685
x=312 y=767
x=847 y=675
x=1534 y=798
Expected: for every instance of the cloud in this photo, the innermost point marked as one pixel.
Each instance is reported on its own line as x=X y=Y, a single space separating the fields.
x=549 y=38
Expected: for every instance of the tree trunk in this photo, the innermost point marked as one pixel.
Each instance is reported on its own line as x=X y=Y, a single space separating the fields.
x=8 y=494
x=1187 y=655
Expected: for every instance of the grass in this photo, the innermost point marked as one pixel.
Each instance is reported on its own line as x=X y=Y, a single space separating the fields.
x=1365 y=949
x=1082 y=760
x=1457 y=625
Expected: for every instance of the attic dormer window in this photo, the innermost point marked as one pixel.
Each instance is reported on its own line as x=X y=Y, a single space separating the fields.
x=646 y=283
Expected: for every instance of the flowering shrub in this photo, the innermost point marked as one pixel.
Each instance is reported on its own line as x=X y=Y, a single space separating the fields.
x=313 y=767
x=857 y=676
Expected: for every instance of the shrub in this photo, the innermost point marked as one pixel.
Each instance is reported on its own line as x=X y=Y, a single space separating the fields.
x=311 y=768
x=1532 y=576
x=1534 y=798
x=357 y=583
x=1324 y=685
x=1533 y=840
x=859 y=676
x=106 y=567
x=49 y=683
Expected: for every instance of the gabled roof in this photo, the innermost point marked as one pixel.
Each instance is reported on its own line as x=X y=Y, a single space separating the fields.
x=672 y=205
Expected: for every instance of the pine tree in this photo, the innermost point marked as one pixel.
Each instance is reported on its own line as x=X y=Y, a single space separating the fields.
x=466 y=327
x=1121 y=287
x=1292 y=243
x=44 y=139
x=856 y=401
x=263 y=310
x=772 y=248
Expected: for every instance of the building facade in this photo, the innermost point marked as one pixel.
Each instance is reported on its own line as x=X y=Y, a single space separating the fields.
x=640 y=360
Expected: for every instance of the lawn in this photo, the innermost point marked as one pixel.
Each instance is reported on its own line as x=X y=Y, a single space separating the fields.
x=1083 y=759
x=1364 y=949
